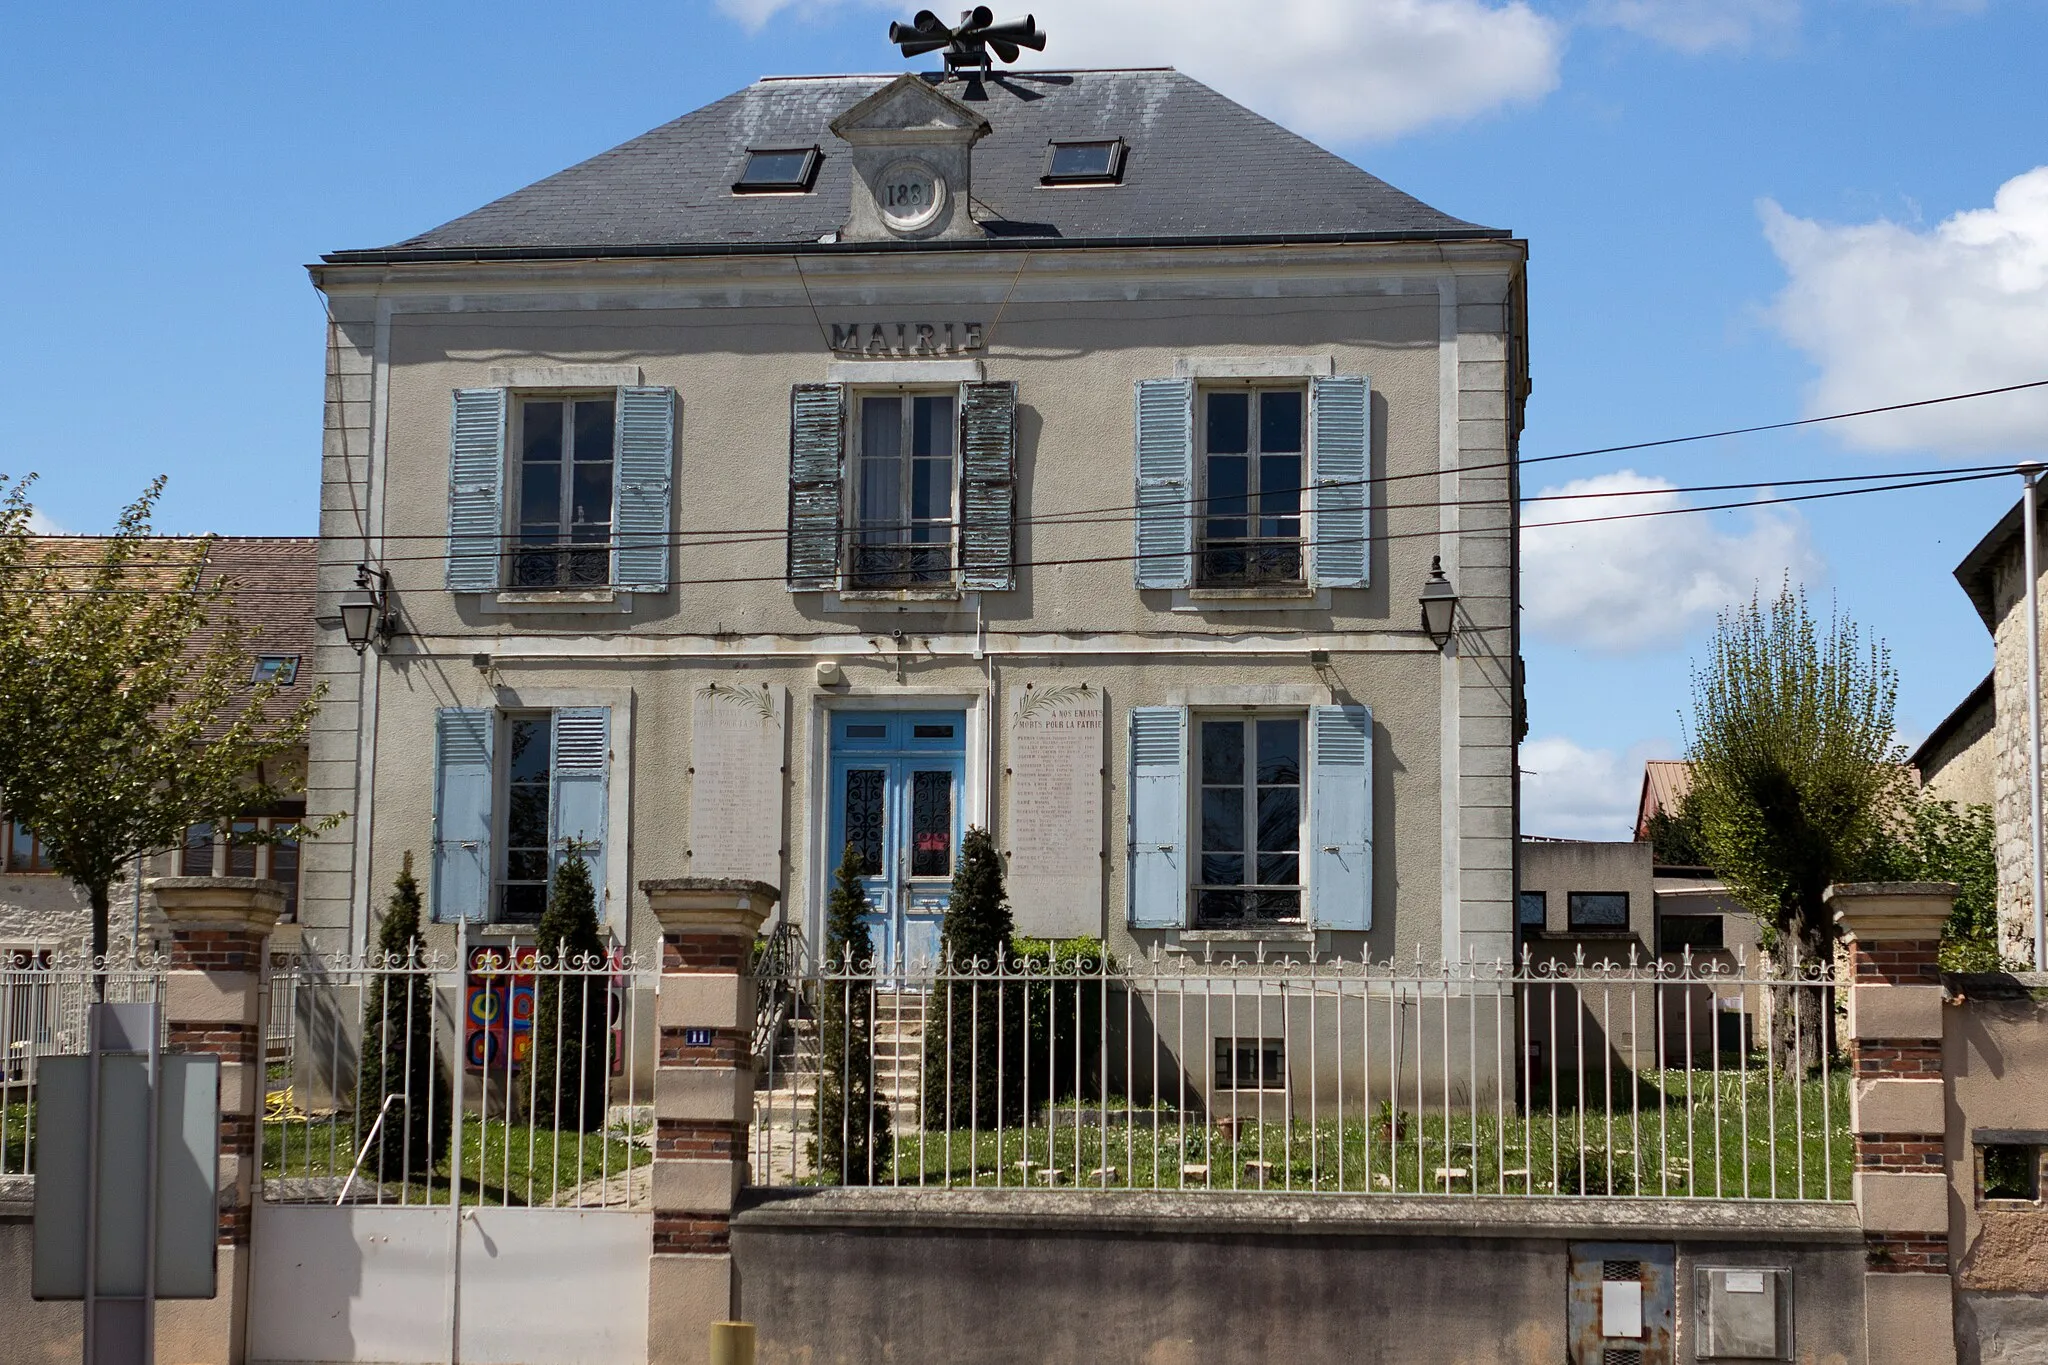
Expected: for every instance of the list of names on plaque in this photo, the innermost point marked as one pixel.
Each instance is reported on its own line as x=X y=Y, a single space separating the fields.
x=1055 y=809
x=736 y=745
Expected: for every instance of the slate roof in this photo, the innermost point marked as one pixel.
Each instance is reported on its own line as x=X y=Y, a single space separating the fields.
x=1201 y=168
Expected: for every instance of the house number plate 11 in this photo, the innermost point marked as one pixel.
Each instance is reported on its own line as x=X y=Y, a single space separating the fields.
x=696 y=1037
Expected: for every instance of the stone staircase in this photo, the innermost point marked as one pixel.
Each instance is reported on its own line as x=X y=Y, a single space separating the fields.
x=786 y=1092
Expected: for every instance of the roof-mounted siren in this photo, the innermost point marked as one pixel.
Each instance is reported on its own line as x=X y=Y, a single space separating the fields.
x=967 y=44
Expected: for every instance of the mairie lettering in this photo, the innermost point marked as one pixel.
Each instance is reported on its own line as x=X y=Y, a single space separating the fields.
x=905 y=340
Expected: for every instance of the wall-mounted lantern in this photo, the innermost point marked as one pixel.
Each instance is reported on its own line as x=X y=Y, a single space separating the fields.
x=365 y=612
x=1439 y=604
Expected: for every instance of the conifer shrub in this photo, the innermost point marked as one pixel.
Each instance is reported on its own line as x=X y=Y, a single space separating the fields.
x=571 y=1009
x=974 y=1021
x=853 y=1141
x=1064 y=1005
x=399 y=1057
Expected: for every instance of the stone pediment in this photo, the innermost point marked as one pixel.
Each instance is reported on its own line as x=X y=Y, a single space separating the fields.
x=909 y=110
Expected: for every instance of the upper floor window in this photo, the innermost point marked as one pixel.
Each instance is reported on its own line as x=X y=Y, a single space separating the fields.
x=233 y=852
x=903 y=494
x=564 y=492
x=1530 y=907
x=1252 y=443
x=21 y=850
x=1251 y=811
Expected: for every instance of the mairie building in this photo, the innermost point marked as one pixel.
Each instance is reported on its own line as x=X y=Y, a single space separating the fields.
x=858 y=460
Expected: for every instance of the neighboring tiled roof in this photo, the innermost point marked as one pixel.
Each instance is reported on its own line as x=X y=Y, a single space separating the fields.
x=1665 y=784
x=1977 y=571
x=1200 y=167
x=271 y=580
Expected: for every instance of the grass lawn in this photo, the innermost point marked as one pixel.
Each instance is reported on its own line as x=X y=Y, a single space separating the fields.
x=16 y=1157
x=1711 y=1137
x=502 y=1163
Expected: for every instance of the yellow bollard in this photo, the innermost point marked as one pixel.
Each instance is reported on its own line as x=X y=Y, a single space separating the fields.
x=732 y=1343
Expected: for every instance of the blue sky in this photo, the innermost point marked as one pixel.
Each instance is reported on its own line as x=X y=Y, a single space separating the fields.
x=1739 y=211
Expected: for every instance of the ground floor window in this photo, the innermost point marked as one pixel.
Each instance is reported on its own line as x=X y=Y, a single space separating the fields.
x=523 y=891
x=247 y=846
x=21 y=850
x=1250 y=812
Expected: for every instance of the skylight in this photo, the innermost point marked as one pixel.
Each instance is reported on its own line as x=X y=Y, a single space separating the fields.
x=1085 y=163
x=283 y=668
x=778 y=170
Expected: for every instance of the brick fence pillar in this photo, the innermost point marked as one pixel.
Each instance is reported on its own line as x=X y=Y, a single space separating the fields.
x=220 y=931
x=703 y=1103
x=1897 y=1114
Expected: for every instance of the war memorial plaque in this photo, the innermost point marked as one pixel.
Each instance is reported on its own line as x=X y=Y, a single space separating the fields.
x=1055 y=809
x=736 y=750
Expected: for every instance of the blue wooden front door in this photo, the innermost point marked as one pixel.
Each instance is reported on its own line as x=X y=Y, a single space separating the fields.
x=895 y=797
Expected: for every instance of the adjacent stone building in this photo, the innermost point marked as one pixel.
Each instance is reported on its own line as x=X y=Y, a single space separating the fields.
x=1994 y=576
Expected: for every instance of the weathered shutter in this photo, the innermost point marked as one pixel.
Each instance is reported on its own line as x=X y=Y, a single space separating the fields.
x=1340 y=817
x=462 y=814
x=988 y=484
x=582 y=765
x=1159 y=817
x=476 y=483
x=643 y=487
x=1166 y=476
x=1340 y=463
x=817 y=445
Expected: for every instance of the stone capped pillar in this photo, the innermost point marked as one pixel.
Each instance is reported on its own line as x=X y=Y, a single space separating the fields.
x=1898 y=1113
x=220 y=933
x=703 y=1102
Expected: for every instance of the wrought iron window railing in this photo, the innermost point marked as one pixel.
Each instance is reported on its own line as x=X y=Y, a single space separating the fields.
x=1251 y=562
x=900 y=564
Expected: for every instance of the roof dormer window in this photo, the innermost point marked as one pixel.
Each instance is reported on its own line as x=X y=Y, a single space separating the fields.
x=1085 y=163
x=778 y=170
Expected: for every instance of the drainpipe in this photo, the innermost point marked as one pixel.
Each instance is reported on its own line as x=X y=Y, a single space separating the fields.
x=2031 y=472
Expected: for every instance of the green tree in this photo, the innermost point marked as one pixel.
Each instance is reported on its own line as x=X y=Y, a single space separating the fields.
x=1795 y=775
x=853 y=1128
x=126 y=699
x=1938 y=841
x=973 y=1027
x=399 y=1057
x=571 y=1000
x=1675 y=839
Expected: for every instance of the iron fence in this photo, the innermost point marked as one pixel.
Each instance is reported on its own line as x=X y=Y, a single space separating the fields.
x=1710 y=1077
x=44 y=997
x=495 y=1078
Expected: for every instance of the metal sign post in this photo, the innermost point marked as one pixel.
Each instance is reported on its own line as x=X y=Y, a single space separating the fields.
x=127 y=1180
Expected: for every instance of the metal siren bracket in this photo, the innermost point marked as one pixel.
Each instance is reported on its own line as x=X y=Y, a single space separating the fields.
x=967 y=44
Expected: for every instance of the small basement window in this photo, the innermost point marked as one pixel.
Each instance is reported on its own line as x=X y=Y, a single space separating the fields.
x=1085 y=163
x=2009 y=1170
x=1251 y=1064
x=778 y=170
x=282 y=667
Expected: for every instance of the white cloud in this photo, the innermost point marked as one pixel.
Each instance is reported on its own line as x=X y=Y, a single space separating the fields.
x=1571 y=792
x=1623 y=586
x=1327 y=68
x=40 y=525
x=1695 y=26
x=1891 y=314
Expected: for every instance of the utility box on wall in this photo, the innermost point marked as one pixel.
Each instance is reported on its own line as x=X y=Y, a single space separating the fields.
x=1621 y=1302
x=1743 y=1313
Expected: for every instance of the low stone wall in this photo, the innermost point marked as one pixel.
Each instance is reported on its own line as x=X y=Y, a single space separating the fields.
x=33 y=1332
x=1176 y=1279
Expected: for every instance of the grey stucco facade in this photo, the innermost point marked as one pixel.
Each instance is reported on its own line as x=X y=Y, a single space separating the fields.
x=1434 y=326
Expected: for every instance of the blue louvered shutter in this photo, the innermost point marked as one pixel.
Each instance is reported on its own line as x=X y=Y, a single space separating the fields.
x=1340 y=462
x=644 y=484
x=817 y=444
x=582 y=767
x=1340 y=817
x=462 y=814
x=476 y=489
x=1166 y=475
x=988 y=484
x=1159 y=817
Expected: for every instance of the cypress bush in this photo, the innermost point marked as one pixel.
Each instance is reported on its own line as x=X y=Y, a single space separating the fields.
x=570 y=1015
x=398 y=1054
x=853 y=1129
x=973 y=1069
